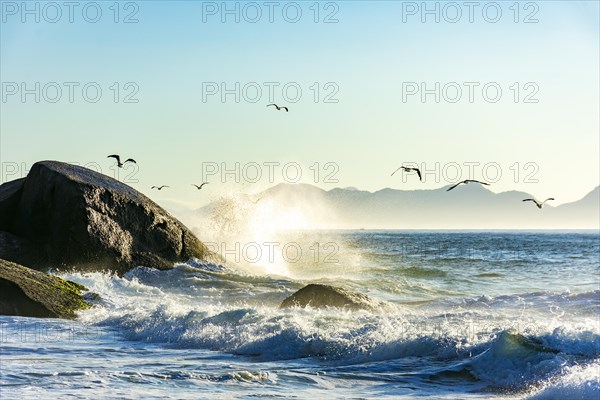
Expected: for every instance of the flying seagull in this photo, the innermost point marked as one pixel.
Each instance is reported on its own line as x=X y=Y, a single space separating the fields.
x=279 y=108
x=200 y=187
x=159 y=187
x=537 y=202
x=119 y=163
x=467 y=181
x=408 y=169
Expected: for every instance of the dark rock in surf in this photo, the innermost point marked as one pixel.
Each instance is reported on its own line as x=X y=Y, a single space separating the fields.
x=19 y=250
x=315 y=295
x=30 y=293
x=10 y=193
x=76 y=217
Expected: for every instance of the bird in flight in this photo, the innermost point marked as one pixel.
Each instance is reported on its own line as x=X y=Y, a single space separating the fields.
x=159 y=187
x=466 y=182
x=119 y=163
x=409 y=169
x=279 y=108
x=200 y=187
x=537 y=202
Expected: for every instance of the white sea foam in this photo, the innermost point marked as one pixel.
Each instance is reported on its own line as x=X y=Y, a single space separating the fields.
x=457 y=327
x=482 y=340
x=580 y=382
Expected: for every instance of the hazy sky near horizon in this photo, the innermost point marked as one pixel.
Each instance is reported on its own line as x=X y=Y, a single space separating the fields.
x=360 y=114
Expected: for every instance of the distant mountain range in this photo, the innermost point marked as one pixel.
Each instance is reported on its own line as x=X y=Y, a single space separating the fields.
x=466 y=207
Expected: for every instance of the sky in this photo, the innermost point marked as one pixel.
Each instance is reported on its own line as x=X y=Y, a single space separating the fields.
x=506 y=92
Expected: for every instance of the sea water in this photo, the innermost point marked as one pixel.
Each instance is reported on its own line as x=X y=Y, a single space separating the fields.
x=471 y=315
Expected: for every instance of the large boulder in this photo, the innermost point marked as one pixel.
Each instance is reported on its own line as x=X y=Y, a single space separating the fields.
x=315 y=295
x=80 y=218
x=10 y=193
x=31 y=293
x=20 y=250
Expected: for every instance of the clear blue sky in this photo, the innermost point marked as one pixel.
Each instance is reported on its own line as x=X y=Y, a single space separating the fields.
x=369 y=55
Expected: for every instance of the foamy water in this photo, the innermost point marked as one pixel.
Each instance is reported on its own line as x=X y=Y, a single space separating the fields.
x=471 y=315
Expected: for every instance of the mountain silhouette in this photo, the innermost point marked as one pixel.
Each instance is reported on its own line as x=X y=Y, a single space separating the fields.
x=471 y=207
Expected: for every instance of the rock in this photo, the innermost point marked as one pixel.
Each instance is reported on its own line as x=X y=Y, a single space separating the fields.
x=19 y=250
x=315 y=295
x=10 y=193
x=31 y=293
x=82 y=219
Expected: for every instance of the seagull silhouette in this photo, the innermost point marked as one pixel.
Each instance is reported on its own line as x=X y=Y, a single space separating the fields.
x=278 y=107
x=119 y=163
x=200 y=187
x=466 y=182
x=408 y=169
x=159 y=187
x=537 y=202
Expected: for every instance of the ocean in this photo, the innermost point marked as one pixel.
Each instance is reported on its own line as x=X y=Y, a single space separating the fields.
x=472 y=315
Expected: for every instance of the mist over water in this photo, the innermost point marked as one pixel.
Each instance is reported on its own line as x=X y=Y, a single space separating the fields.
x=469 y=315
